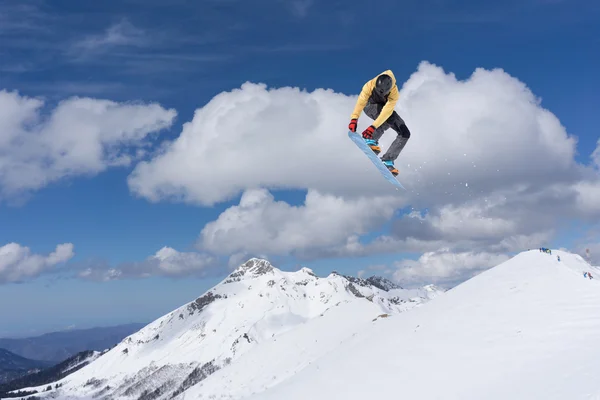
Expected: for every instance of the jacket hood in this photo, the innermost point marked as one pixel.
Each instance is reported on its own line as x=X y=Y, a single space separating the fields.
x=390 y=74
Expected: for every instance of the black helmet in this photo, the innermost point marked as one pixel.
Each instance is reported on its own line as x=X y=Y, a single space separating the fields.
x=383 y=84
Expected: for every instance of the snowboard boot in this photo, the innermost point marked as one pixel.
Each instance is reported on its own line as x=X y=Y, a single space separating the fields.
x=373 y=145
x=390 y=165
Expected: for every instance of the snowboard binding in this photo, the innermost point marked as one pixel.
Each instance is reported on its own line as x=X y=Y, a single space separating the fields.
x=373 y=145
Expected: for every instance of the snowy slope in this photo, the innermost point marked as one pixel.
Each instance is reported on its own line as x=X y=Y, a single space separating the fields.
x=526 y=329
x=280 y=358
x=248 y=311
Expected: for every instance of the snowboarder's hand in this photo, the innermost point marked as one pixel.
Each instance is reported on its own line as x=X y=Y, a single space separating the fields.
x=368 y=133
x=352 y=125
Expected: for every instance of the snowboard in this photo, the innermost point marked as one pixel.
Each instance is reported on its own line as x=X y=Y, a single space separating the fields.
x=360 y=142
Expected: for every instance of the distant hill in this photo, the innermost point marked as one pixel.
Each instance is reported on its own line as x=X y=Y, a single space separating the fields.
x=58 y=346
x=13 y=366
x=48 y=375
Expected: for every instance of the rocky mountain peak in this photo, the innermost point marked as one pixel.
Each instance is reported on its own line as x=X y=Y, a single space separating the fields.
x=252 y=268
x=383 y=283
x=307 y=271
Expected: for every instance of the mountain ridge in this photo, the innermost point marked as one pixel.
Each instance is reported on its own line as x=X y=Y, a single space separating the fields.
x=251 y=307
x=525 y=329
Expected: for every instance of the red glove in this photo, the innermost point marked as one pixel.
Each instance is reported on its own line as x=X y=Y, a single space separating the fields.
x=368 y=133
x=352 y=125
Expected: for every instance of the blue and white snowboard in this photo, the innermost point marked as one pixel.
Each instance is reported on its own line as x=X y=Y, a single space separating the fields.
x=360 y=142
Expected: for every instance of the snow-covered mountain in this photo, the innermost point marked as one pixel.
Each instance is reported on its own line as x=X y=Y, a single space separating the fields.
x=527 y=329
x=254 y=313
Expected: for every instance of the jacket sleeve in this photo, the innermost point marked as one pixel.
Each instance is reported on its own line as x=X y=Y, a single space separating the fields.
x=363 y=97
x=388 y=109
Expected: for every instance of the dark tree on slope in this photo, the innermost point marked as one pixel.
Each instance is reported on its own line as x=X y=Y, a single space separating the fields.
x=48 y=375
x=20 y=393
x=197 y=375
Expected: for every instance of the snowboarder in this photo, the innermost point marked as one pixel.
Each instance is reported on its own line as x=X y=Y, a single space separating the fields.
x=377 y=99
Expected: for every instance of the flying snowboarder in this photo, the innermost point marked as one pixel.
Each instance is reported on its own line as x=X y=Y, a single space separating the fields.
x=377 y=99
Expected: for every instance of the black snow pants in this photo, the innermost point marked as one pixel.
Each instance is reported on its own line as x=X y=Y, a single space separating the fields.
x=372 y=110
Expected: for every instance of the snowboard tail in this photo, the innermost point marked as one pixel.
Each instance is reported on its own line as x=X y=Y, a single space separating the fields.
x=362 y=145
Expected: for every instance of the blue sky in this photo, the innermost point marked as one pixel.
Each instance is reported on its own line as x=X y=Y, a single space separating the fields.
x=181 y=54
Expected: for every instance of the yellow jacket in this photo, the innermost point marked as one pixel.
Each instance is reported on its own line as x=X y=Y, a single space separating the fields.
x=366 y=93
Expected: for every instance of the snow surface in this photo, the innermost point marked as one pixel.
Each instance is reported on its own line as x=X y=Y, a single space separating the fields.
x=257 y=310
x=78 y=362
x=526 y=329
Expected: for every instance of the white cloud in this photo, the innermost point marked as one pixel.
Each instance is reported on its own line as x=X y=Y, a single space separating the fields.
x=170 y=262
x=489 y=166
x=100 y=274
x=388 y=244
x=122 y=33
x=445 y=268
x=467 y=221
x=17 y=263
x=468 y=138
x=259 y=224
x=81 y=136
x=588 y=198
x=253 y=137
x=167 y=262
x=596 y=155
x=493 y=221
x=520 y=242
x=493 y=224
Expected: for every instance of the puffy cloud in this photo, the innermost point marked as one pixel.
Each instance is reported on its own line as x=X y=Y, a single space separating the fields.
x=495 y=222
x=80 y=136
x=336 y=228
x=486 y=162
x=468 y=221
x=253 y=137
x=445 y=268
x=354 y=247
x=18 y=264
x=261 y=224
x=481 y=134
x=166 y=262
x=596 y=155
x=587 y=198
x=519 y=242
